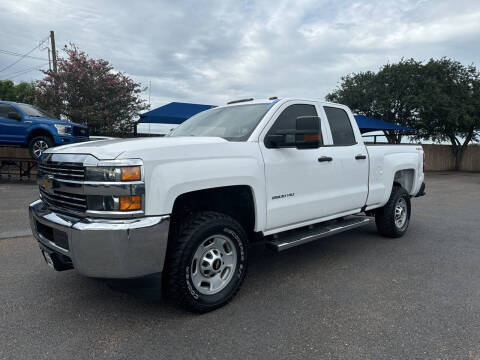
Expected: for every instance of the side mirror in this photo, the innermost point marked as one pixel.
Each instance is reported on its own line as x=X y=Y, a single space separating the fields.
x=14 y=115
x=306 y=135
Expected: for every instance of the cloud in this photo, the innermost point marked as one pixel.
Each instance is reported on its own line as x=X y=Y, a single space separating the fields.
x=212 y=52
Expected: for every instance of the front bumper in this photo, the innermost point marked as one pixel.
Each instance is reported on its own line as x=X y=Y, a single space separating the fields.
x=103 y=248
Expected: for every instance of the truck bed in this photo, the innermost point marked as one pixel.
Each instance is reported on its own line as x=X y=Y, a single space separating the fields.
x=387 y=162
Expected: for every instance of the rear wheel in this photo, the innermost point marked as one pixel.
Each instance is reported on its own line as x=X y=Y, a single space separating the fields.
x=38 y=145
x=207 y=262
x=393 y=219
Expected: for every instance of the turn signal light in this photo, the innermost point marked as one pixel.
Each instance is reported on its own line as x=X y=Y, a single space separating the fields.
x=131 y=173
x=312 y=137
x=129 y=203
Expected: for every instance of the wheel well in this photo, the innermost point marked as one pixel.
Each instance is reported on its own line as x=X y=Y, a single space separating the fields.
x=38 y=132
x=404 y=178
x=235 y=201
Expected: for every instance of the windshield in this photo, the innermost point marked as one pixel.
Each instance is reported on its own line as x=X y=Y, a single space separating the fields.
x=234 y=123
x=31 y=110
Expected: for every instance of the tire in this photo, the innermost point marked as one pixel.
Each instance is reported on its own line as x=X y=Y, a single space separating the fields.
x=392 y=220
x=38 y=144
x=207 y=262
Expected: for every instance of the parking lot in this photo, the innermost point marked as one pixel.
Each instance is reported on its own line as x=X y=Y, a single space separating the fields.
x=353 y=295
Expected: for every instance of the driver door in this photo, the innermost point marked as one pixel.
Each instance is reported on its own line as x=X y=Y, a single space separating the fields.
x=11 y=130
x=300 y=184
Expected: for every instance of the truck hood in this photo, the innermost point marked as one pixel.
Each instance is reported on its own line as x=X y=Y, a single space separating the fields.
x=111 y=149
x=53 y=121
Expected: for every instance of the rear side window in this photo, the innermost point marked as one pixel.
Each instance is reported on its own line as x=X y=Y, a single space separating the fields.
x=340 y=126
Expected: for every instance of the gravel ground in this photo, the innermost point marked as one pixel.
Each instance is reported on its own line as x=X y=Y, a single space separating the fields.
x=355 y=295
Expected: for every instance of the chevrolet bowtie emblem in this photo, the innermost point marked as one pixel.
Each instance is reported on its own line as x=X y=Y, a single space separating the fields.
x=47 y=181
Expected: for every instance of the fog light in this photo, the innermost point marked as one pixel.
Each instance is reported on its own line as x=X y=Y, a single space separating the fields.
x=128 y=203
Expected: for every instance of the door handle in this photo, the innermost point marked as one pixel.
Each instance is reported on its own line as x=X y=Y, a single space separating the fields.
x=324 y=158
x=360 y=157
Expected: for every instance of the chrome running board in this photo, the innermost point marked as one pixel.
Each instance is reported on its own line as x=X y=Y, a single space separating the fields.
x=293 y=238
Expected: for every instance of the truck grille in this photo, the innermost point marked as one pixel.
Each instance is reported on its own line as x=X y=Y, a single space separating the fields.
x=66 y=201
x=62 y=171
x=80 y=131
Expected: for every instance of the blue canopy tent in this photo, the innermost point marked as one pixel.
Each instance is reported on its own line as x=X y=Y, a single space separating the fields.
x=368 y=124
x=160 y=120
x=173 y=113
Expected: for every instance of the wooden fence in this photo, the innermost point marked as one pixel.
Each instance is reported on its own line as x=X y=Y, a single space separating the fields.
x=441 y=158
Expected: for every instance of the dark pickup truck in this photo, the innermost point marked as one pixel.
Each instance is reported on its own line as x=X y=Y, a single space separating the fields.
x=28 y=126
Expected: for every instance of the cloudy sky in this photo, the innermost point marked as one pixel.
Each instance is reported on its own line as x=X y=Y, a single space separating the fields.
x=214 y=51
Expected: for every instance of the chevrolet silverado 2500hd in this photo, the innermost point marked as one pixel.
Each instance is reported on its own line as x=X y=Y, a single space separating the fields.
x=285 y=172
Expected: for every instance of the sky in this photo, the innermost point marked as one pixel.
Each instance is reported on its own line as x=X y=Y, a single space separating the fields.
x=211 y=52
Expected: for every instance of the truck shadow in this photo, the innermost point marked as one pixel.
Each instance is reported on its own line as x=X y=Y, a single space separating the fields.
x=264 y=263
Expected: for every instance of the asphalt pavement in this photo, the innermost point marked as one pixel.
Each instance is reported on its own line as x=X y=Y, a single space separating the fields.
x=14 y=199
x=355 y=295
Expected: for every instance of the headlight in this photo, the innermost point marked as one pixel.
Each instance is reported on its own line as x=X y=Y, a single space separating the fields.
x=63 y=129
x=113 y=174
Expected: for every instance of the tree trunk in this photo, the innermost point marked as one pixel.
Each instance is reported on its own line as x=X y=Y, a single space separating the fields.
x=393 y=137
x=459 y=148
x=458 y=157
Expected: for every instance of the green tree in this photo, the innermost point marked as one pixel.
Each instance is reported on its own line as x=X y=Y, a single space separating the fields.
x=450 y=104
x=390 y=95
x=89 y=91
x=440 y=99
x=22 y=92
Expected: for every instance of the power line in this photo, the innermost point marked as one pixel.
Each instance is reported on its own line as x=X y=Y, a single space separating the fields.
x=25 y=71
x=23 y=56
x=13 y=53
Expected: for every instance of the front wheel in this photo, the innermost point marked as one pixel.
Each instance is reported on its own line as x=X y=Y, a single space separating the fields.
x=38 y=145
x=207 y=261
x=393 y=219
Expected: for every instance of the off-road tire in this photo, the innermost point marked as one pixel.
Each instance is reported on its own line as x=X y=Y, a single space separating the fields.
x=191 y=233
x=42 y=138
x=385 y=216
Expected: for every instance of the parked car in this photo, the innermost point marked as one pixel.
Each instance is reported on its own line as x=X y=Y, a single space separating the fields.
x=285 y=172
x=27 y=125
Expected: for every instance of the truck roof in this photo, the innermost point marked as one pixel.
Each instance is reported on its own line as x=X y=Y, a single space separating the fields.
x=268 y=101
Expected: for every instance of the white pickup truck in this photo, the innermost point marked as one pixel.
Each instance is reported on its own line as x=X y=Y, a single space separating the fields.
x=284 y=172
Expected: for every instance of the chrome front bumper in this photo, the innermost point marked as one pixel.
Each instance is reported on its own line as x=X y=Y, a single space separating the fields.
x=105 y=248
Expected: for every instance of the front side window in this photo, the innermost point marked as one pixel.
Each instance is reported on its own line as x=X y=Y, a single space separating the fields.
x=233 y=123
x=340 y=126
x=34 y=111
x=5 y=109
x=287 y=120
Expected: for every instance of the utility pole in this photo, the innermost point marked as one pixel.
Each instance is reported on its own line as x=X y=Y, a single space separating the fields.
x=49 y=61
x=54 y=53
x=54 y=61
